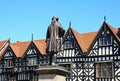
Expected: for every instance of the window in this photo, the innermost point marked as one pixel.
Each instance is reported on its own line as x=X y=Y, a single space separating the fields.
x=32 y=51
x=105 y=40
x=69 y=43
x=104 y=70
x=32 y=61
x=23 y=77
x=8 y=54
x=8 y=63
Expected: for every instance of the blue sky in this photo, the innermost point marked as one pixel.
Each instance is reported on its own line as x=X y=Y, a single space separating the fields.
x=20 y=18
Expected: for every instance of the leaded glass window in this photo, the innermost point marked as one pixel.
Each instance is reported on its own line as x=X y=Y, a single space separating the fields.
x=104 y=70
x=69 y=42
x=105 y=40
x=32 y=61
x=8 y=63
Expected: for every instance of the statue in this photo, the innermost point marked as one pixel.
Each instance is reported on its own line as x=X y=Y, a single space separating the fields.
x=55 y=33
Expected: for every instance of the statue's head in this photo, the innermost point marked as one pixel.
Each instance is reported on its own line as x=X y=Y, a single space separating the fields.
x=55 y=18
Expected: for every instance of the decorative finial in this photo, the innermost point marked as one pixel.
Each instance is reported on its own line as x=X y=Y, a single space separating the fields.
x=32 y=37
x=105 y=18
x=70 y=24
x=9 y=40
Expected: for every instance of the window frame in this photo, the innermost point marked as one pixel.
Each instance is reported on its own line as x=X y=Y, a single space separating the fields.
x=8 y=63
x=103 y=68
x=105 y=39
x=69 y=43
x=32 y=61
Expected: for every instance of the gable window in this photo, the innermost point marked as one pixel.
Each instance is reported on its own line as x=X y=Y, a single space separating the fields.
x=105 y=40
x=8 y=54
x=32 y=57
x=32 y=51
x=104 y=70
x=8 y=63
x=69 y=43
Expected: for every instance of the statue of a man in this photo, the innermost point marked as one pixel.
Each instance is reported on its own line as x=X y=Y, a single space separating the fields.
x=55 y=33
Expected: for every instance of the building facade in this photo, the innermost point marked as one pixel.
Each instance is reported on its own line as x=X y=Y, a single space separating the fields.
x=92 y=56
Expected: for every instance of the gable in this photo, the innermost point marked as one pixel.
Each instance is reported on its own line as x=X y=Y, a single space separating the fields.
x=8 y=53
x=31 y=50
x=70 y=46
x=20 y=48
x=41 y=46
x=69 y=41
x=105 y=43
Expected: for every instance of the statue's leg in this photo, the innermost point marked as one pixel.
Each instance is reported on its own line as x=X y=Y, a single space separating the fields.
x=51 y=57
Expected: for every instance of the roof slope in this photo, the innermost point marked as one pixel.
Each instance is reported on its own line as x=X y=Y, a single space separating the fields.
x=20 y=48
x=2 y=44
x=84 y=40
x=87 y=39
x=3 y=50
x=41 y=45
x=115 y=31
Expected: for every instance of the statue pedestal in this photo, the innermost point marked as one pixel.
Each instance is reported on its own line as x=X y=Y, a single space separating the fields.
x=51 y=73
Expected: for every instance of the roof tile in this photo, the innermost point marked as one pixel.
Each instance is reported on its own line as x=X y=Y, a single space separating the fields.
x=19 y=48
x=41 y=45
x=84 y=40
x=2 y=43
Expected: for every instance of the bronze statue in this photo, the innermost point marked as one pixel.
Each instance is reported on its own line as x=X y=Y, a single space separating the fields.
x=55 y=33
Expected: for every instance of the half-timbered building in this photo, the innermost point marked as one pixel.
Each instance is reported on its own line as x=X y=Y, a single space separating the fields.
x=92 y=56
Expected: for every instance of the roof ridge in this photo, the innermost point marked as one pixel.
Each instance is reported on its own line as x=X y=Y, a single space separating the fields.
x=3 y=50
x=4 y=44
x=83 y=40
x=14 y=48
x=23 y=46
x=78 y=37
x=114 y=31
x=41 y=46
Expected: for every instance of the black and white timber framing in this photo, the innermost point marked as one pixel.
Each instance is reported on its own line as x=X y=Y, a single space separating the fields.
x=101 y=61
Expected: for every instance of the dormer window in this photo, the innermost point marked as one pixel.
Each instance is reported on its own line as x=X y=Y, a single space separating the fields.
x=32 y=57
x=8 y=59
x=8 y=54
x=69 y=42
x=32 y=51
x=105 y=40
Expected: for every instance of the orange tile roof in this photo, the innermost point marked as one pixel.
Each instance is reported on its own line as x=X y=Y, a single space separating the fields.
x=3 y=50
x=114 y=31
x=2 y=43
x=41 y=45
x=87 y=40
x=20 y=48
x=15 y=49
x=84 y=40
